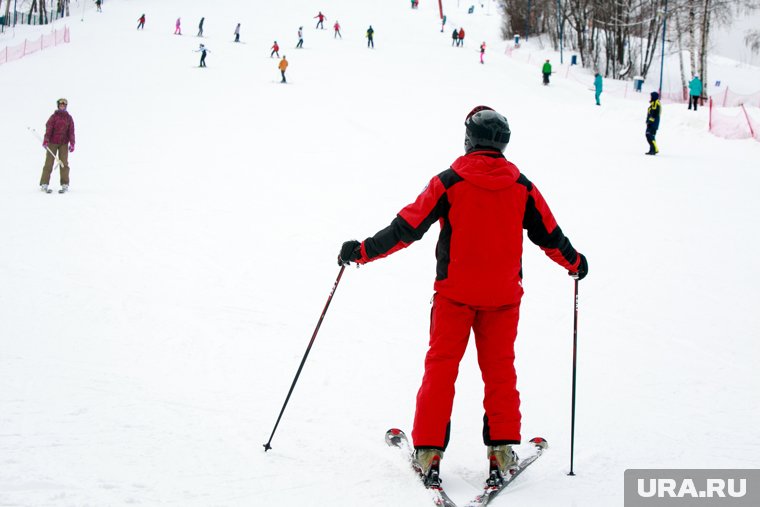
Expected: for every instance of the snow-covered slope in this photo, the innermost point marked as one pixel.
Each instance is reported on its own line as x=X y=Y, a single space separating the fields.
x=152 y=319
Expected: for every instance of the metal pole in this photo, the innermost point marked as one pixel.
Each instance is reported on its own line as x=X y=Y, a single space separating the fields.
x=268 y=445
x=559 y=22
x=527 y=23
x=575 y=357
x=662 y=58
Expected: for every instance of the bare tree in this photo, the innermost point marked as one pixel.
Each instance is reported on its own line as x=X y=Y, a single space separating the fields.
x=752 y=40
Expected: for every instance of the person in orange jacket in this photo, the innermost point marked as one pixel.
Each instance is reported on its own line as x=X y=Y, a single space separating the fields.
x=283 y=65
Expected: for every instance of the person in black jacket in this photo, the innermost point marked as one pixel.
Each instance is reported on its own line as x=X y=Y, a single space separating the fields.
x=653 y=122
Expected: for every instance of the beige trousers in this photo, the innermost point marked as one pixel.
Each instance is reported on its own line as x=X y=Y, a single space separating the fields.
x=62 y=150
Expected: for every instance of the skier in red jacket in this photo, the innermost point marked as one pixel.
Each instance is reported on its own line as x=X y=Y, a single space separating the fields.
x=482 y=203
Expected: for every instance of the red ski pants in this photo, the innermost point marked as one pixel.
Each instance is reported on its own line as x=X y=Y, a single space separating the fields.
x=495 y=330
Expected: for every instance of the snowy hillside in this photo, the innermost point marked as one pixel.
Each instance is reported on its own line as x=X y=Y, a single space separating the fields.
x=152 y=319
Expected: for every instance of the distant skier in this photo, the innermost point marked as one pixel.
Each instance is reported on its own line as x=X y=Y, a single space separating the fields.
x=141 y=22
x=321 y=20
x=59 y=141
x=482 y=204
x=460 y=42
x=275 y=50
x=455 y=37
x=371 y=37
x=336 y=27
x=415 y=4
x=283 y=66
x=202 y=50
x=598 y=87
x=300 y=37
x=653 y=122
x=178 y=27
x=200 y=27
x=695 y=91
x=443 y=23
x=98 y=4
x=237 y=33
x=546 y=71
x=482 y=51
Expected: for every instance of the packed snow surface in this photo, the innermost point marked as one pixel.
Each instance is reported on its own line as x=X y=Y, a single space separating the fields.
x=153 y=318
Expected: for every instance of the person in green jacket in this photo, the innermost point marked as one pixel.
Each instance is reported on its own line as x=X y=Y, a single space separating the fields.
x=546 y=71
x=598 y=87
x=695 y=91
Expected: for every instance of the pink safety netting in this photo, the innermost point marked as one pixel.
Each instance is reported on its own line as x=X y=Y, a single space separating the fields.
x=56 y=37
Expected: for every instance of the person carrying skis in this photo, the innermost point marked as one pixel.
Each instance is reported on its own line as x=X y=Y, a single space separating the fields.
x=598 y=87
x=58 y=142
x=653 y=122
x=460 y=35
x=695 y=91
x=482 y=51
x=178 y=27
x=275 y=50
x=200 y=27
x=546 y=71
x=336 y=27
x=237 y=33
x=300 y=38
x=202 y=50
x=482 y=204
x=283 y=66
x=141 y=22
x=371 y=37
x=321 y=20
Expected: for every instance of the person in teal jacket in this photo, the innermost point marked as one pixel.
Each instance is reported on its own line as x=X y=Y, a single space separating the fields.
x=546 y=71
x=597 y=87
x=695 y=91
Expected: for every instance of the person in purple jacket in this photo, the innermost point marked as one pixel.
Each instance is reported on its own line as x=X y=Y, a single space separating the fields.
x=58 y=142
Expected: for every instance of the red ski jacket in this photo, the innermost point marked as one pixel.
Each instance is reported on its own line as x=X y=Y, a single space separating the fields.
x=59 y=128
x=482 y=204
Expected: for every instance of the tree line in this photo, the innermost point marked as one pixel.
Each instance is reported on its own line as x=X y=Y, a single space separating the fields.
x=621 y=38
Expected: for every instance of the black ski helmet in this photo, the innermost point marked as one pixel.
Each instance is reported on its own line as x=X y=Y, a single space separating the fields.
x=485 y=128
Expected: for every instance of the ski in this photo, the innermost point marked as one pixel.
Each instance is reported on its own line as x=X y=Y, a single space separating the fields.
x=394 y=437
x=495 y=483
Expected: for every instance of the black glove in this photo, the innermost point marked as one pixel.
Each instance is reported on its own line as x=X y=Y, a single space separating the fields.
x=582 y=268
x=350 y=251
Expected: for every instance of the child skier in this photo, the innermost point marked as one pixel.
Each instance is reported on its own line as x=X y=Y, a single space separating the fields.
x=202 y=50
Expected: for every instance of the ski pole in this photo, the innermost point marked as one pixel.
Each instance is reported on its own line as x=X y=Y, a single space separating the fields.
x=575 y=355
x=58 y=161
x=267 y=446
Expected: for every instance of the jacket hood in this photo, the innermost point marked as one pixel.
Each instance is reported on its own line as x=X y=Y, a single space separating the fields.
x=486 y=169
